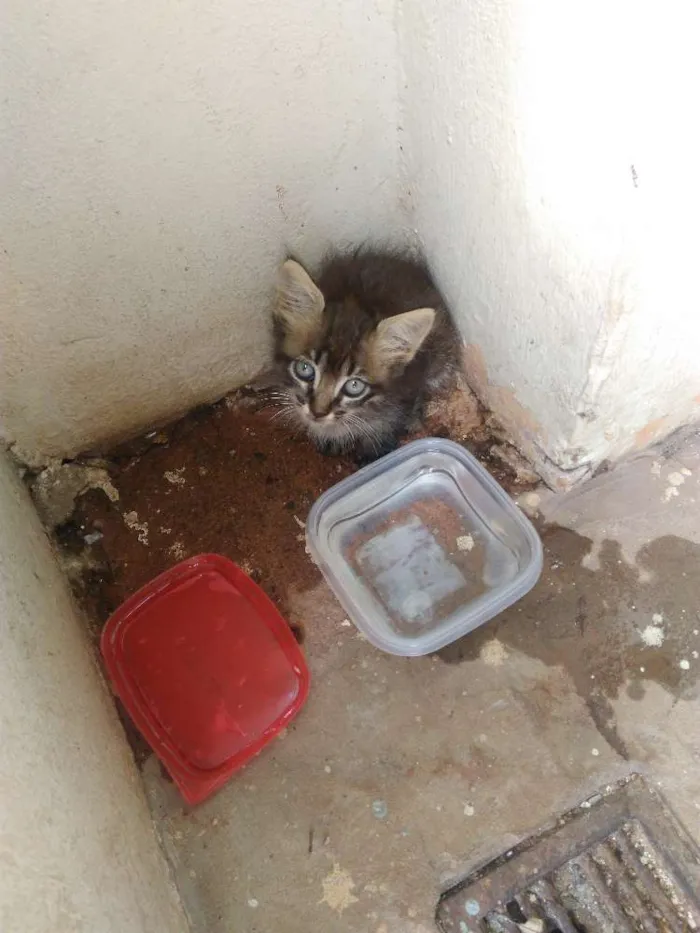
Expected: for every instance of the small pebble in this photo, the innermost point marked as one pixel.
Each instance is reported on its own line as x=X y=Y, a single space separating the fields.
x=468 y=809
x=252 y=902
x=472 y=907
x=684 y=665
x=327 y=769
x=595 y=752
x=380 y=809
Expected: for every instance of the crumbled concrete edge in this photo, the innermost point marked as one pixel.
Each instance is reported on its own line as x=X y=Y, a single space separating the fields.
x=57 y=487
x=56 y=484
x=512 y=458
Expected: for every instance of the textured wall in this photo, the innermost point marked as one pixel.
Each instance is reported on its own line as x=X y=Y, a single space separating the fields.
x=159 y=158
x=550 y=170
x=163 y=157
x=77 y=847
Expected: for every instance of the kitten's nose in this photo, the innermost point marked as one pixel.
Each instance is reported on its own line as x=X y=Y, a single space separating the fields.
x=321 y=401
x=319 y=411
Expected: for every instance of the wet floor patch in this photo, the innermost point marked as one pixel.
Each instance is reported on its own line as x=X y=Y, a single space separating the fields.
x=618 y=863
x=618 y=627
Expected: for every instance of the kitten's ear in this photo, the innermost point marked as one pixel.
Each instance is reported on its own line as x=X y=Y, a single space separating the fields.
x=397 y=339
x=299 y=304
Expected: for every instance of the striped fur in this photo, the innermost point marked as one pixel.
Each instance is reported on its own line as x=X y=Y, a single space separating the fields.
x=358 y=350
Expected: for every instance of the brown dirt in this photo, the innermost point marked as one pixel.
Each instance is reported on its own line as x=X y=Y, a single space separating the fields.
x=227 y=481
x=224 y=479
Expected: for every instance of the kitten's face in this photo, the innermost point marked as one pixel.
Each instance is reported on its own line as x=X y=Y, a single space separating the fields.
x=331 y=397
x=337 y=364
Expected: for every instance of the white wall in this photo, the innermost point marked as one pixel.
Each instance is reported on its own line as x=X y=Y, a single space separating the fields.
x=550 y=150
x=158 y=160
x=77 y=846
x=163 y=156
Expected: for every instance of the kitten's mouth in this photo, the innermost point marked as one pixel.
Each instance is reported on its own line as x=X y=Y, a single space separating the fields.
x=328 y=426
x=313 y=418
x=338 y=428
x=332 y=427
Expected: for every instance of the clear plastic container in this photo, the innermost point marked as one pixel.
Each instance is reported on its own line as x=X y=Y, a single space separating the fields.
x=422 y=547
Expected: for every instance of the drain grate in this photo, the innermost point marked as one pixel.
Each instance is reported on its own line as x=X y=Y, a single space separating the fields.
x=619 y=863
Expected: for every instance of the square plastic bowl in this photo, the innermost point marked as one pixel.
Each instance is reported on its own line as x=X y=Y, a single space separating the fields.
x=422 y=547
x=207 y=669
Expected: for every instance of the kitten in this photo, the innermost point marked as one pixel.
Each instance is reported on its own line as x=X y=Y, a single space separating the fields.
x=357 y=352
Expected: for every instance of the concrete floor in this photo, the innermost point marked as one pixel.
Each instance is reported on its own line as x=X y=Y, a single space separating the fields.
x=402 y=774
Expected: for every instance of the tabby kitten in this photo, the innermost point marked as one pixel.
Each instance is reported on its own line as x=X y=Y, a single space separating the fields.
x=357 y=351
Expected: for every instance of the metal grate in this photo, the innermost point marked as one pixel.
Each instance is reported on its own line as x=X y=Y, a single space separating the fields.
x=617 y=864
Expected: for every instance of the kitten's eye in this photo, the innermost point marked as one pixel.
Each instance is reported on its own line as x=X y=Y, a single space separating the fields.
x=354 y=387
x=304 y=370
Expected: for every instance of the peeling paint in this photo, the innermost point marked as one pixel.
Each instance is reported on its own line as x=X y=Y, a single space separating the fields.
x=650 y=432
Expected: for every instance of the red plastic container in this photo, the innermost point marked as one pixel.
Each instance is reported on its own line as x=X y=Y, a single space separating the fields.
x=207 y=668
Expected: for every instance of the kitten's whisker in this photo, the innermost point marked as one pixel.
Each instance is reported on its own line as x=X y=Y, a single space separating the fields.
x=284 y=412
x=372 y=433
x=277 y=400
x=367 y=430
x=269 y=405
x=368 y=436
